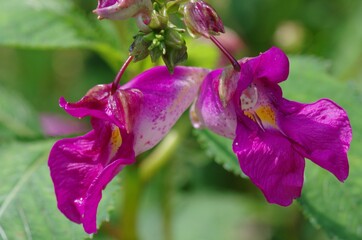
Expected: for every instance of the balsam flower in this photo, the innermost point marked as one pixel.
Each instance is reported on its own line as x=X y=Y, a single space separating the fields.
x=123 y=9
x=126 y=122
x=273 y=135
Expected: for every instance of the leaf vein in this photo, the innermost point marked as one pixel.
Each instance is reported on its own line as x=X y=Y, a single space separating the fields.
x=9 y=198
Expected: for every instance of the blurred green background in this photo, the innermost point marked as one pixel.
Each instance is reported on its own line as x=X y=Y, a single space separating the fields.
x=56 y=48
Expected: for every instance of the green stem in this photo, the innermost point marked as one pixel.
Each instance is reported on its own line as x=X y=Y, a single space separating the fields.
x=130 y=207
x=166 y=205
x=163 y=152
x=160 y=157
x=137 y=176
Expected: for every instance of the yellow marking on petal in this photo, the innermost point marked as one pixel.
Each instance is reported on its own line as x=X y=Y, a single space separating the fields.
x=263 y=115
x=249 y=115
x=266 y=115
x=256 y=106
x=115 y=141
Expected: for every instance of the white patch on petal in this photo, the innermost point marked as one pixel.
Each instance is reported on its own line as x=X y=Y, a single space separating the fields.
x=256 y=105
x=249 y=98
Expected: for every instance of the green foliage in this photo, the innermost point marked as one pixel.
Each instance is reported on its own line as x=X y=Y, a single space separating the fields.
x=46 y=24
x=258 y=20
x=17 y=118
x=213 y=216
x=348 y=54
x=27 y=200
x=219 y=148
x=202 y=53
x=27 y=204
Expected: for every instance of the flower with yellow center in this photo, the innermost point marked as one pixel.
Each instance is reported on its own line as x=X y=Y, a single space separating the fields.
x=271 y=134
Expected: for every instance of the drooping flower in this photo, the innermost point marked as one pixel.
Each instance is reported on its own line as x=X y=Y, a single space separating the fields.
x=273 y=135
x=201 y=19
x=123 y=9
x=126 y=122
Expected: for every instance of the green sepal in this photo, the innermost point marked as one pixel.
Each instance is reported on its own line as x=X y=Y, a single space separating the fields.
x=174 y=56
x=139 y=47
x=155 y=54
x=158 y=21
x=174 y=39
x=168 y=43
x=173 y=6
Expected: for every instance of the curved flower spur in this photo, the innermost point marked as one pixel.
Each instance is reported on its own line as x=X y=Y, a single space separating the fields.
x=273 y=135
x=127 y=120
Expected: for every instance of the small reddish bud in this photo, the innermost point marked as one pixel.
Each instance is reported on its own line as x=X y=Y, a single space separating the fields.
x=201 y=19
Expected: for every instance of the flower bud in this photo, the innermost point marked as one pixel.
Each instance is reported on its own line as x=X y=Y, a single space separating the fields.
x=123 y=9
x=201 y=19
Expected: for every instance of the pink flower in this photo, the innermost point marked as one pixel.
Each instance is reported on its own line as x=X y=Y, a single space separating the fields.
x=123 y=9
x=126 y=122
x=273 y=135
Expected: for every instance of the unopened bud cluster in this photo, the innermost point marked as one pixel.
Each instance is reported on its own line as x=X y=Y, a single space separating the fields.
x=158 y=36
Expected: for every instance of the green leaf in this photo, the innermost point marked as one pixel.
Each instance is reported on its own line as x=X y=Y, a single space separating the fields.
x=27 y=200
x=335 y=206
x=220 y=149
x=46 y=24
x=17 y=118
x=347 y=55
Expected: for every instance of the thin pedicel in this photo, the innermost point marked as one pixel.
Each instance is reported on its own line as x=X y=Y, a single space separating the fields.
x=232 y=60
x=117 y=79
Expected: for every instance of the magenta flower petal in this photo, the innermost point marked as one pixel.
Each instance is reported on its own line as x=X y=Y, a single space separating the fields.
x=272 y=164
x=122 y=9
x=272 y=65
x=92 y=104
x=126 y=121
x=94 y=193
x=70 y=169
x=209 y=111
x=272 y=135
x=119 y=108
x=75 y=168
x=321 y=130
x=165 y=97
x=106 y=3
